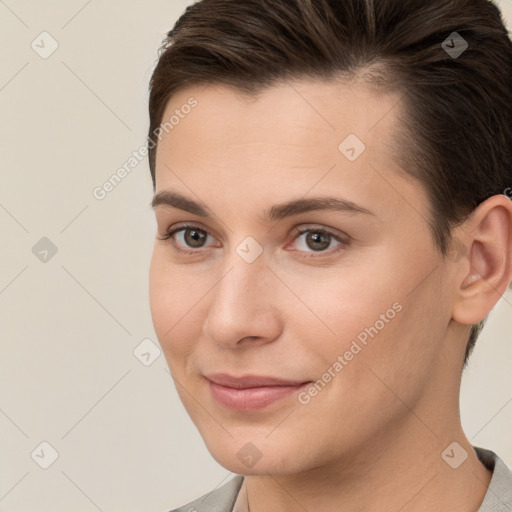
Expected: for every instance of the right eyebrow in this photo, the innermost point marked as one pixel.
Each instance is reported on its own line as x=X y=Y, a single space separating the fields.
x=175 y=200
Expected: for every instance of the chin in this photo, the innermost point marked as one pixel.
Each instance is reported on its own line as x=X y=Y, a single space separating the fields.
x=258 y=456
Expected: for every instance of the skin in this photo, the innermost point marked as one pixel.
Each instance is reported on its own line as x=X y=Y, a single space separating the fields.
x=372 y=438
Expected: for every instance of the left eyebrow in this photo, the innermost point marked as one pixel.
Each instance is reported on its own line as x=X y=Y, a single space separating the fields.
x=275 y=213
x=296 y=207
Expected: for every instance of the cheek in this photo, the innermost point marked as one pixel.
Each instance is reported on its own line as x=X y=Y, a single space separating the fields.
x=351 y=304
x=400 y=356
x=173 y=304
x=379 y=319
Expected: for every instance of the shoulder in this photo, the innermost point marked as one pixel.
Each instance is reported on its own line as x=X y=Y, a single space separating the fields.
x=218 y=500
x=499 y=493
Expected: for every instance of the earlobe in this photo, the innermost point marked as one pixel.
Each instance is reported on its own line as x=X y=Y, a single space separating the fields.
x=486 y=268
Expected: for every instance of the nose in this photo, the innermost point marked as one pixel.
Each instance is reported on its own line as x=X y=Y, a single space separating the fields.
x=244 y=307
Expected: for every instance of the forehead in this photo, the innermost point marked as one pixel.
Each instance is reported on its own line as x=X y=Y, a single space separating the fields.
x=311 y=109
x=302 y=119
x=285 y=141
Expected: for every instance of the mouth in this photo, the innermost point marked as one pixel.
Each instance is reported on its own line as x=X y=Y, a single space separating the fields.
x=251 y=392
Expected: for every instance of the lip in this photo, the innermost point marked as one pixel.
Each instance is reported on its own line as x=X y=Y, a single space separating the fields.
x=251 y=392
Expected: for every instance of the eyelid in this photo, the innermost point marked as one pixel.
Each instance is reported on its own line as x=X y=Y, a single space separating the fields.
x=170 y=233
x=342 y=238
x=339 y=235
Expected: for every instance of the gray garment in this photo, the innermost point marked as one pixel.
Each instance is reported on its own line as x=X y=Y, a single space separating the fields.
x=498 y=497
x=220 y=500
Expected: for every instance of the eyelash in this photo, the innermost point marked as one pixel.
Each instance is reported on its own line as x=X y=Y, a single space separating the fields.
x=343 y=243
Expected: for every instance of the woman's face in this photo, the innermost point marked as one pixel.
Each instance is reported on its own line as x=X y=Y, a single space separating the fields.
x=295 y=334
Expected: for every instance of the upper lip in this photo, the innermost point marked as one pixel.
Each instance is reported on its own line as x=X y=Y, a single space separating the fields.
x=250 y=381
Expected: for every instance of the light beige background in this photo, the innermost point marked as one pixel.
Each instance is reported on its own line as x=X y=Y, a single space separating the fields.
x=70 y=325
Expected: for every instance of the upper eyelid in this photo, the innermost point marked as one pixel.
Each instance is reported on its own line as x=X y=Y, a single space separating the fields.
x=185 y=226
x=329 y=231
x=299 y=230
x=342 y=238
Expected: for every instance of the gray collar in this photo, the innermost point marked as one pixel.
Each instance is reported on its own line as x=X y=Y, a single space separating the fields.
x=498 y=497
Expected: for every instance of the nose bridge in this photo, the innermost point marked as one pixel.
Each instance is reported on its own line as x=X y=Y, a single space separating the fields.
x=242 y=289
x=243 y=303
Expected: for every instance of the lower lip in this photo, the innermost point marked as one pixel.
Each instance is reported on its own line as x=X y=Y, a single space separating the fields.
x=252 y=399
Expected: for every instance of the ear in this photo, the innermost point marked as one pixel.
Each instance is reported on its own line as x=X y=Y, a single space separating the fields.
x=485 y=270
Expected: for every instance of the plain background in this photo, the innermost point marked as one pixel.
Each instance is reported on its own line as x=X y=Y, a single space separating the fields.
x=70 y=325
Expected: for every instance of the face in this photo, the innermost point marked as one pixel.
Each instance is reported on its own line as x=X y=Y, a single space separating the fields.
x=300 y=295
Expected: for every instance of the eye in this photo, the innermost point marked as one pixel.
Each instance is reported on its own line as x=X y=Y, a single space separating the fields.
x=190 y=236
x=318 y=240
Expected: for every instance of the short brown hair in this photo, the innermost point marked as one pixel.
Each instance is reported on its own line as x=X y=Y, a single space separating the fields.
x=456 y=136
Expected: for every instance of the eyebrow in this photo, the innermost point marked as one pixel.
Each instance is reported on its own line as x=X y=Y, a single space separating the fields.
x=275 y=213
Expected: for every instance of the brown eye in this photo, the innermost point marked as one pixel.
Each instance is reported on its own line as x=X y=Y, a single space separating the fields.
x=187 y=239
x=318 y=240
x=194 y=237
